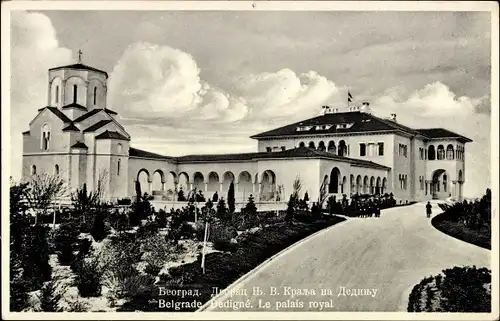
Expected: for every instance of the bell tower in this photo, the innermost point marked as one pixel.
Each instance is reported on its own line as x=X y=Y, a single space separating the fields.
x=76 y=89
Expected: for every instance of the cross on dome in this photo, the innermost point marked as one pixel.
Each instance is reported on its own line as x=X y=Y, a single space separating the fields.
x=80 y=53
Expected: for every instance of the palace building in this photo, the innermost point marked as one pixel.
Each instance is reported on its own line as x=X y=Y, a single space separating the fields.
x=343 y=151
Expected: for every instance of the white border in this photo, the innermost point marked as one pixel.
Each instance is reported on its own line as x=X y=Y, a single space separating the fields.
x=252 y=6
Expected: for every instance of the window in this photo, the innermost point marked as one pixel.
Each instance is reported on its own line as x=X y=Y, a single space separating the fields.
x=119 y=148
x=449 y=152
x=268 y=149
x=57 y=94
x=95 y=94
x=75 y=93
x=445 y=182
x=118 y=168
x=45 y=144
x=33 y=170
x=362 y=149
x=432 y=153
x=56 y=169
x=381 y=149
x=302 y=144
x=440 y=152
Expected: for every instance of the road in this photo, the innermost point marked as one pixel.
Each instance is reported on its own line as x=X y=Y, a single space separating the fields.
x=390 y=254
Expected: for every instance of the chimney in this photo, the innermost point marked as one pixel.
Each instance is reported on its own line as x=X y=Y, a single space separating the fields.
x=393 y=117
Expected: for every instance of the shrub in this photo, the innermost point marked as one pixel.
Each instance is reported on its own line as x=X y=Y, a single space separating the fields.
x=180 y=196
x=65 y=242
x=225 y=246
x=222 y=211
x=124 y=201
x=153 y=269
x=50 y=296
x=99 y=231
x=161 y=218
x=88 y=278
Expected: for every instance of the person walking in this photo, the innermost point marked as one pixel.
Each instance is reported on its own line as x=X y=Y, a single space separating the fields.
x=429 y=209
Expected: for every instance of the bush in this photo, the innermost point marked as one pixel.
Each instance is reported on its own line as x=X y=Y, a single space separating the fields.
x=124 y=201
x=50 y=296
x=36 y=265
x=153 y=269
x=99 y=230
x=65 y=242
x=88 y=278
x=225 y=246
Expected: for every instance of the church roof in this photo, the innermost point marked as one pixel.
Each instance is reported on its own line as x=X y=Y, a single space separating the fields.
x=75 y=105
x=111 y=135
x=57 y=112
x=71 y=127
x=87 y=115
x=109 y=111
x=300 y=152
x=26 y=132
x=80 y=66
x=441 y=133
x=79 y=144
x=356 y=122
x=134 y=152
x=97 y=125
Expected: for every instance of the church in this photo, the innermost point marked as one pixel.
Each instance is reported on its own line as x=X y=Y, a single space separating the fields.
x=341 y=152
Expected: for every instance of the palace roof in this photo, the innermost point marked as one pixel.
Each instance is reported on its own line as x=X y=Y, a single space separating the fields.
x=300 y=152
x=441 y=133
x=349 y=123
x=80 y=67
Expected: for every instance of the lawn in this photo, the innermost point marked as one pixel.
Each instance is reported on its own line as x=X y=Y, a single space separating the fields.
x=480 y=237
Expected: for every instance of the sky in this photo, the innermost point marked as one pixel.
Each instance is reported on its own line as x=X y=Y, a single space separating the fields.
x=192 y=82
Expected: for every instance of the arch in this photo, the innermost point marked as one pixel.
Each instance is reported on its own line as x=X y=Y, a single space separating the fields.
x=321 y=146
x=56 y=169
x=198 y=181
x=213 y=184
x=384 y=185
x=342 y=148
x=311 y=145
x=431 y=155
x=33 y=169
x=352 y=184
x=302 y=144
x=227 y=178
x=245 y=185
x=450 y=153
x=183 y=182
x=365 y=185
x=268 y=183
x=158 y=180
x=440 y=152
x=372 y=185
x=343 y=185
x=333 y=186
x=144 y=178
x=331 y=147
x=358 y=184
x=171 y=182
x=437 y=179
x=45 y=143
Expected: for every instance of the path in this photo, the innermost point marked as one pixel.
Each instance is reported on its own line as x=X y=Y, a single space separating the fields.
x=390 y=254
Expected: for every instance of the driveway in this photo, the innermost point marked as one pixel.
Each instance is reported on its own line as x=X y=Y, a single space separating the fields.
x=379 y=259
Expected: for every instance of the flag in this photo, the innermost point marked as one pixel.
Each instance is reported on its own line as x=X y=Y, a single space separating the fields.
x=349 y=96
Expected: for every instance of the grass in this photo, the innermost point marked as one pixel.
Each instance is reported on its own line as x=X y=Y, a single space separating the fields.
x=224 y=268
x=481 y=237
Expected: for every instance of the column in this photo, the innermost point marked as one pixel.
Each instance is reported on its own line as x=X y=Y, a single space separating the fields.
x=206 y=186
x=221 y=189
x=163 y=186
x=150 y=187
x=190 y=185
x=460 y=183
x=259 y=192
x=454 y=189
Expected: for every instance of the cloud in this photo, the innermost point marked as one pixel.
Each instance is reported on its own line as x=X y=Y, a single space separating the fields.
x=34 y=50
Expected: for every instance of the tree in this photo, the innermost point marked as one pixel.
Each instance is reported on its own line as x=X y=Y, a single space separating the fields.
x=138 y=192
x=65 y=242
x=331 y=203
x=230 y=198
x=44 y=190
x=222 y=210
x=36 y=265
x=297 y=186
x=290 y=210
x=84 y=201
x=250 y=207
x=306 y=197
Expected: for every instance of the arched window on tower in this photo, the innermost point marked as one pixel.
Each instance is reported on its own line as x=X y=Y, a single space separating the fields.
x=440 y=152
x=33 y=170
x=75 y=93
x=57 y=95
x=95 y=94
x=118 y=168
x=56 y=169
x=45 y=144
x=449 y=152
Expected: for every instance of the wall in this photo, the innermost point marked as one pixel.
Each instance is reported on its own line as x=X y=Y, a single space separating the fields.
x=59 y=141
x=261 y=206
x=401 y=166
